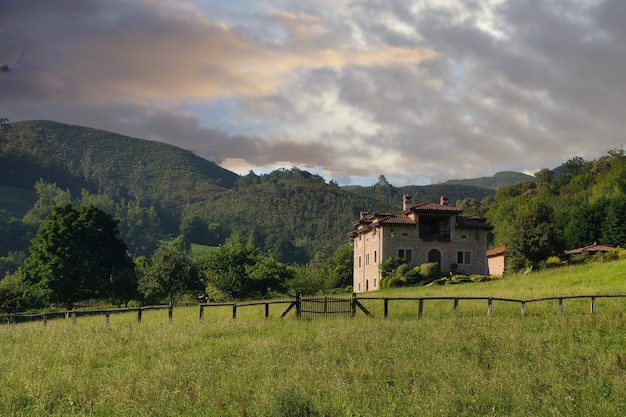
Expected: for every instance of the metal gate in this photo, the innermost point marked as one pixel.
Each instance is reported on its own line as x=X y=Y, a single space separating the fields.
x=325 y=307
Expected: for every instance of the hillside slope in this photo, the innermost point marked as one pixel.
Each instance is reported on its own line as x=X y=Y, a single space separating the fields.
x=77 y=157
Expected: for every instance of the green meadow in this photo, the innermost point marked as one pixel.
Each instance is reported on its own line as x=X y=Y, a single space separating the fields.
x=472 y=365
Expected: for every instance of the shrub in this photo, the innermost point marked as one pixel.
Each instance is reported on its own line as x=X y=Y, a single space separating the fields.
x=430 y=271
x=610 y=256
x=413 y=276
x=390 y=265
x=458 y=279
x=553 y=262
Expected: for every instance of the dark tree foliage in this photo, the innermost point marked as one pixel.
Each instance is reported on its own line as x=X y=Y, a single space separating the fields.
x=239 y=270
x=226 y=268
x=534 y=236
x=17 y=295
x=169 y=272
x=14 y=234
x=614 y=232
x=78 y=255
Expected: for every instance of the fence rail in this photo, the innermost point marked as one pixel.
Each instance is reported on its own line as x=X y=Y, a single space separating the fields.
x=490 y=300
x=309 y=308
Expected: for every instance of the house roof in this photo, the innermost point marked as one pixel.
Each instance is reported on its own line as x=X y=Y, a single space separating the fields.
x=472 y=222
x=496 y=251
x=369 y=220
x=434 y=207
x=591 y=248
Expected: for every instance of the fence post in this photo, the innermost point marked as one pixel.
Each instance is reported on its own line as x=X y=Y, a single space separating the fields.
x=353 y=305
x=201 y=312
x=139 y=315
x=234 y=311
x=489 y=306
x=593 y=305
x=107 y=315
x=73 y=318
x=523 y=308
x=45 y=320
x=267 y=310
x=298 y=305
x=420 y=308
x=170 y=313
x=560 y=306
x=12 y=320
x=386 y=307
x=456 y=306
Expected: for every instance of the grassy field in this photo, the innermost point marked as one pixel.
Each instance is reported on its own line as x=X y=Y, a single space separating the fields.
x=540 y=365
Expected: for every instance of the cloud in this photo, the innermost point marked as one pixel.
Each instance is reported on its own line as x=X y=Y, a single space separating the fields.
x=418 y=91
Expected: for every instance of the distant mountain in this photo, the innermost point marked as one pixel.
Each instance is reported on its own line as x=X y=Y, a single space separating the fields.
x=501 y=179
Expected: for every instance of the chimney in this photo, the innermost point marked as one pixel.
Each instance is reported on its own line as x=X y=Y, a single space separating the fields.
x=407 y=202
x=443 y=200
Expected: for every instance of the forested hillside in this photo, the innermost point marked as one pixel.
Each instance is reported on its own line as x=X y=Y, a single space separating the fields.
x=76 y=157
x=158 y=189
x=580 y=203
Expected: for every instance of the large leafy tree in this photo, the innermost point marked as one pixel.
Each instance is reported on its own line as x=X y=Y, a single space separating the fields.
x=227 y=267
x=77 y=254
x=169 y=272
x=534 y=236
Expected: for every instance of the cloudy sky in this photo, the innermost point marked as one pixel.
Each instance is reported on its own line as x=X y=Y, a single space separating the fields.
x=420 y=91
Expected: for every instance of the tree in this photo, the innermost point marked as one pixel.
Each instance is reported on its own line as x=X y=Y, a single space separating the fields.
x=49 y=196
x=18 y=295
x=140 y=227
x=195 y=230
x=169 y=272
x=534 y=237
x=337 y=270
x=77 y=254
x=227 y=267
x=613 y=231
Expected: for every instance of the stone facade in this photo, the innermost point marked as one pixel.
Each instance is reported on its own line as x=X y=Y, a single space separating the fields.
x=421 y=233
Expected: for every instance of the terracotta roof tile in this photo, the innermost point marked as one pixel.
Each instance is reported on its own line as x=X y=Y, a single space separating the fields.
x=496 y=251
x=590 y=248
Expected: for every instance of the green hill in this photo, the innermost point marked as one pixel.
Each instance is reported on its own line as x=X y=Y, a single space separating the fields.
x=499 y=180
x=77 y=157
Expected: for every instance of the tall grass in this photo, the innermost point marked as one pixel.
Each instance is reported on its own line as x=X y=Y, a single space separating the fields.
x=540 y=365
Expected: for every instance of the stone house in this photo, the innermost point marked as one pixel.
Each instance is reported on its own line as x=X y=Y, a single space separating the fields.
x=422 y=233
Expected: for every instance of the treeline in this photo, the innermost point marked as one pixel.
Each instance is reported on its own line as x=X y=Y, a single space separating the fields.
x=77 y=255
x=578 y=204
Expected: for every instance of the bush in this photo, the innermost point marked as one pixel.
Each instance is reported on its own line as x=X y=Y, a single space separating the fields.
x=610 y=256
x=430 y=271
x=458 y=279
x=390 y=265
x=553 y=262
x=413 y=276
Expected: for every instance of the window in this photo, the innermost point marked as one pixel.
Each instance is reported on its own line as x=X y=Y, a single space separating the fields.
x=406 y=254
x=434 y=228
x=359 y=261
x=404 y=234
x=375 y=260
x=463 y=258
x=367 y=259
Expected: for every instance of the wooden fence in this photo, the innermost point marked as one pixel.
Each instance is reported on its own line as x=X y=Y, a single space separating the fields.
x=522 y=303
x=309 y=308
